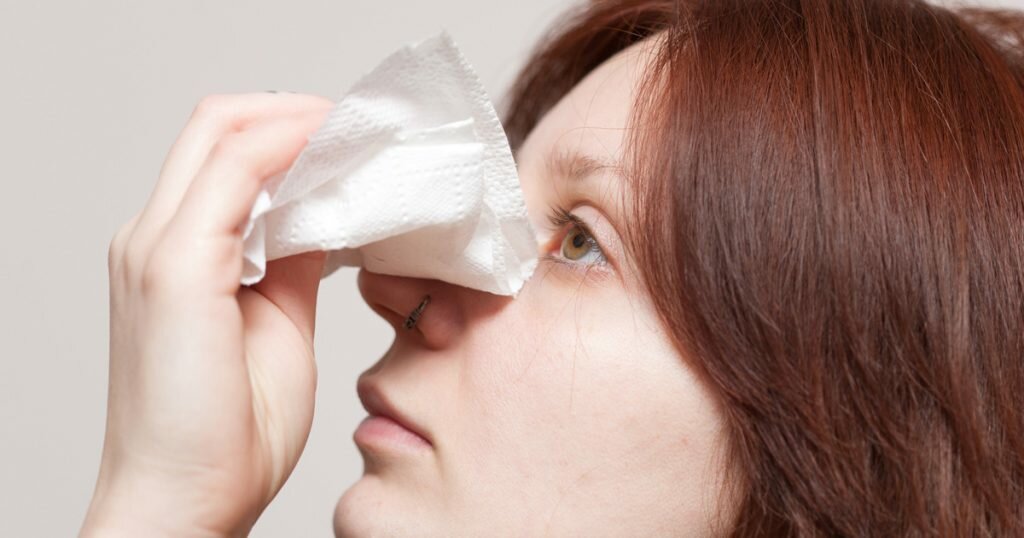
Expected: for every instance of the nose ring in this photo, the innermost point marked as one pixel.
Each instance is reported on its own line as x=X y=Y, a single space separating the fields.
x=414 y=316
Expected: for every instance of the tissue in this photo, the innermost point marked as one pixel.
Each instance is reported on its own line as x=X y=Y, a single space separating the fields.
x=410 y=174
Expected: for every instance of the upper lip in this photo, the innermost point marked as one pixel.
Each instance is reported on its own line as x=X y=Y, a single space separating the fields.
x=376 y=403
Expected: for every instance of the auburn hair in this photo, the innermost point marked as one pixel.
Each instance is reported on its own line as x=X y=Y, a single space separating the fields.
x=829 y=218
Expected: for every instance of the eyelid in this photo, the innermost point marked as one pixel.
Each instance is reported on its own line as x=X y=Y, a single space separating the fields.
x=559 y=217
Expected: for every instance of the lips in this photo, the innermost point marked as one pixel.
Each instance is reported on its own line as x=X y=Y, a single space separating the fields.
x=377 y=404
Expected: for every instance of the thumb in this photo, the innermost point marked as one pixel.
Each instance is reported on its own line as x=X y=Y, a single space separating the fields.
x=292 y=284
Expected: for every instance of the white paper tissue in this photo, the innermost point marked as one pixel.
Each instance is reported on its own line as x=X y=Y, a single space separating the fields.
x=410 y=174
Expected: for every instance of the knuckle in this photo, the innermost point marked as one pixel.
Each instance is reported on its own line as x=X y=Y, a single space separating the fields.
x=130 y=260
x=117 y=246
x=157 y=274
x=211 y=107
x=232 y=150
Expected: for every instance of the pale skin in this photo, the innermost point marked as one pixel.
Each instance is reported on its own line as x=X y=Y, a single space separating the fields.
x=562 y=412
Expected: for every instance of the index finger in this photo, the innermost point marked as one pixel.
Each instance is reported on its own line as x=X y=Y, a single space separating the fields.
x=213 y=118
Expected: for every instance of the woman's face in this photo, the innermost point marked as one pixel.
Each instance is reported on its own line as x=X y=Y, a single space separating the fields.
x=563 y=412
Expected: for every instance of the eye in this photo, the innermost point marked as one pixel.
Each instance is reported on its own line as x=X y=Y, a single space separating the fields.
x=579 y=246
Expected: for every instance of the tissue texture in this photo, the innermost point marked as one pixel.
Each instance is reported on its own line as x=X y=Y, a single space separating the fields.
x=410 y=174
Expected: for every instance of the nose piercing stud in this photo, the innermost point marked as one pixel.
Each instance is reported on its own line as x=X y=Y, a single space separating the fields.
x=414 y=316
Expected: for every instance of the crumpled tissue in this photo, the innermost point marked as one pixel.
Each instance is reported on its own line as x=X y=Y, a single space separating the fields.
x=410 y=174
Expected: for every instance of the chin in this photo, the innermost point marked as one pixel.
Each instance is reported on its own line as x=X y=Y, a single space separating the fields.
x=358 y=513
x=365 y=510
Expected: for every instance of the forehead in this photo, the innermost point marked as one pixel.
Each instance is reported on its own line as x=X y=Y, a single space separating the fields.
x=592 y=118
x=590 y=121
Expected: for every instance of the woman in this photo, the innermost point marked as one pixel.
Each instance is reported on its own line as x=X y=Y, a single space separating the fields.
x=780 y=295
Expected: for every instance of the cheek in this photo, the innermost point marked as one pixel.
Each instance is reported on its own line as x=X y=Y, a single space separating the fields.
x=570 y=367
x=571 y=396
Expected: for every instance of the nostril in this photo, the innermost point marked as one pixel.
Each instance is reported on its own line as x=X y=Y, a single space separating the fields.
x=389 y=315
x=423 y=309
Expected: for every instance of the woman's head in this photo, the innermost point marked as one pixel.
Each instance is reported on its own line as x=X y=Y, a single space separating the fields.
x=791 y=305
x=566 y=411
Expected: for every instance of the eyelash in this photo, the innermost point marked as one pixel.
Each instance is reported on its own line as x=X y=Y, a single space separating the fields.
x=559 y=217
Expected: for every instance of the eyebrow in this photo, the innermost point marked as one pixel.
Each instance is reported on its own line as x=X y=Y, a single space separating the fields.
x=575 y=166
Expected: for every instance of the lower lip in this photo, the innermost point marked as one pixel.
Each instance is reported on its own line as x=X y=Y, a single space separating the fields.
x=383 y=431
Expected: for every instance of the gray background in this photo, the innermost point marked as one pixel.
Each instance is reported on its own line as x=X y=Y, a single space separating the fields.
x=93 y=95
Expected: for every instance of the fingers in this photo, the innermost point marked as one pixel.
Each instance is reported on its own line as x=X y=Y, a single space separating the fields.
x=201 y=250
x=213 y=118
x=222 y=194
x=292 y=284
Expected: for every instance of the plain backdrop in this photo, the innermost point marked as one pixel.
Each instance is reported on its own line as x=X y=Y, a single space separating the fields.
x=93 y=94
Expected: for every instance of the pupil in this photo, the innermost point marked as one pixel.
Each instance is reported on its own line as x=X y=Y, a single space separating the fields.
x=578 y=240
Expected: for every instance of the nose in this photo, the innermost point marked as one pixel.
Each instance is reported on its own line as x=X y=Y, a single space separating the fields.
x=394 y=298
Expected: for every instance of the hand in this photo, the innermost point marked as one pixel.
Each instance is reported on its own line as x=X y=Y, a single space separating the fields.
x=211 y=384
